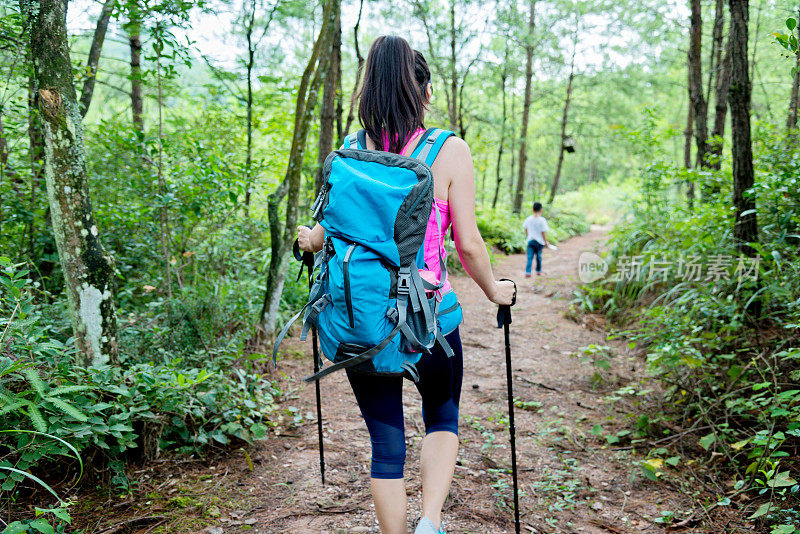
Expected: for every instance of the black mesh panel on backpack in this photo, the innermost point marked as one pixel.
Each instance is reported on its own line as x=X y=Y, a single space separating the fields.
x=412 y=220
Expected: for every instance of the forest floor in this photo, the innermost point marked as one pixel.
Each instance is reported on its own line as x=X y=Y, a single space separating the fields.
x=571 y=479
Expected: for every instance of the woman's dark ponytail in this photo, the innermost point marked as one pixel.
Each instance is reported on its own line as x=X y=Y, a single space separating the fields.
x=391 y=102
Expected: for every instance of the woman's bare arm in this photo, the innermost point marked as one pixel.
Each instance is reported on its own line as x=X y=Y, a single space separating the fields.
x=457 y=160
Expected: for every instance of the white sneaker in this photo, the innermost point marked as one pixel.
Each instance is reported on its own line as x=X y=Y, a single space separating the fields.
x=426 y=526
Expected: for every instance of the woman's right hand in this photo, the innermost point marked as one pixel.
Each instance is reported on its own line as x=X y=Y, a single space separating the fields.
x=502 y=292
x=304 y=238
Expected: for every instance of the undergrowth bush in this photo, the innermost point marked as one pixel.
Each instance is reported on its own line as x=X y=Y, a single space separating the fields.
x=112 y=414
x=724 y=344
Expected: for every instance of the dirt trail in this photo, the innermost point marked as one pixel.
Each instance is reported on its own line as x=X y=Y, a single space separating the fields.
x=570 y=481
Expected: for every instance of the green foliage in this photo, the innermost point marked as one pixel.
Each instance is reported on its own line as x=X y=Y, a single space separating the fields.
x=502 y=229
x=788 y=41
x=723 y=368
x=51 y=408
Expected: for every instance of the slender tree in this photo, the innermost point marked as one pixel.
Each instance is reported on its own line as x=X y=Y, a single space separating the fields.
x=93 y=60
x=721 y=109
x=282 y=235
x=88 y=269
x=699 y=104
x=562 y=147
x=791 y=119
x=331 y=62
x=715 y=55
x=526 y=108
x=135 y=46
x=501 y=145
x=359 y=68
x=249 y=18
x=745 y=228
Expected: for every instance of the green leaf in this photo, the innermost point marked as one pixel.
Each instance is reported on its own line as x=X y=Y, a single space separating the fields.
x=791 y=24
x=59 y=512
x=43 y=526
x=16 y=528
x=764 y=509
x=67 y=408
x=707 y=441
x=673 y=460
x=783 y=529
x=259 y=430
x=782 y=480
x=597 y=430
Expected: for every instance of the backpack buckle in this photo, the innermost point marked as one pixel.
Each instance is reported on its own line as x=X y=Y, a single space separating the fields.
x=403 y=284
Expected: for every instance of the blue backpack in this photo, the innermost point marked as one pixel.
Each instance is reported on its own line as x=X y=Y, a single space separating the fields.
x=373 y=311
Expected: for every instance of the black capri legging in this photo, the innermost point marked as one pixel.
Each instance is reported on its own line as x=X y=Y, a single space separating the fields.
x=381 y=404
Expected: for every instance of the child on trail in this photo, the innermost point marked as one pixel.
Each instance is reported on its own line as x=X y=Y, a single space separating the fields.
x=393 y=101
x=535 y=227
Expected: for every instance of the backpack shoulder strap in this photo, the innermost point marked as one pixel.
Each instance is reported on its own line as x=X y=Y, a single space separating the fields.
x=430 y=144
x=356 y=140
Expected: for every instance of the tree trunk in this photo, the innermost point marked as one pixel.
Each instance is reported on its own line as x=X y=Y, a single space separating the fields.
x=283 y=236
x=721 y=110
x=36 y=155
x=499 y=173
x=135 y=44
x=452 y=101
x=328 y=111
x=687 y=138
x=699 y=104
x=511 y=143
x=791 y=119
x=526 y=108
x=94 y=55
x=716 y=47
x=248 y=163
x=3 y=151
x=351 y=113
x=745 y=226
x=88 y=269
x=557 y=177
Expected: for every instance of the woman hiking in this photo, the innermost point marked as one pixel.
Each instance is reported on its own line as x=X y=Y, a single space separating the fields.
x=392 y=104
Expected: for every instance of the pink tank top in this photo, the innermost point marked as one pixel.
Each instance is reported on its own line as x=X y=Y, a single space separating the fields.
x=435 y=235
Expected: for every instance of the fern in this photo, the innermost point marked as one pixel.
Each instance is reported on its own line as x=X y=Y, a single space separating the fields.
x=35 y=381
x=68 y=389
x=67 y=408
x=12 y=406
x=35 y=415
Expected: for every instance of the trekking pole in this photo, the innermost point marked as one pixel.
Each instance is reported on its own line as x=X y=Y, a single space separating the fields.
x=307 y=259
x=503 y=320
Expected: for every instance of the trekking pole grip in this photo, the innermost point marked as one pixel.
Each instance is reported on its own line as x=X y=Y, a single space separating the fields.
x=504 y=310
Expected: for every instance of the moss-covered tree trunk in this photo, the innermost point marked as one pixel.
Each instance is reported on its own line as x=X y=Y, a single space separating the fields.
x=327 y=113
x=282 y=235
x=135 y=44
x=88 y=269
